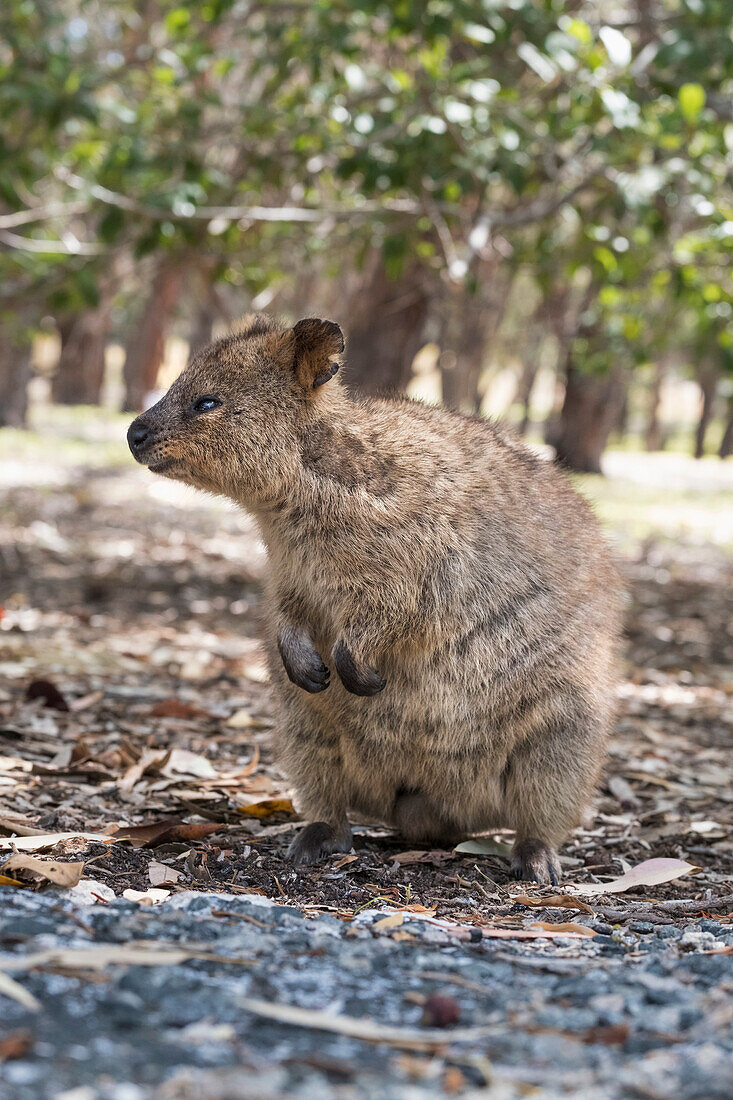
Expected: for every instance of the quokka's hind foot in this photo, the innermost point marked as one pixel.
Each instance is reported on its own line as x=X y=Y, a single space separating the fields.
x=535 y=861
x=319 y=840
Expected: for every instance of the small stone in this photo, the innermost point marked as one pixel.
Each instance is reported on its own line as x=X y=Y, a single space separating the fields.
x=713 y=926
x=695 y=940
x=601 y=927
x=668 y=932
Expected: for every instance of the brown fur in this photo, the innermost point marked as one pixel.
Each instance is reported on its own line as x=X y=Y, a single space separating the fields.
x=456 y=584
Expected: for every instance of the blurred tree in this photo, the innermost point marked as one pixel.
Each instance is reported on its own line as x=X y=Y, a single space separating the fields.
x=653 y=434
x=14 y=376
x=145 y=350
x=415 y=156
x=726 y=443
x=80 y=369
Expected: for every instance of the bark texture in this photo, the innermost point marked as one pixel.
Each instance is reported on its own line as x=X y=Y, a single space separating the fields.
x=145 y=352
x=708 y=382
x=80 y=372
x=15 y=374
x=653 y=434
x=726 y=443
x=386 y=318
x=590 y=410
x=470 y=320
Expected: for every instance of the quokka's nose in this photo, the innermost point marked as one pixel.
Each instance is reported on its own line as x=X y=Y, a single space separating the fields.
x=137 y=433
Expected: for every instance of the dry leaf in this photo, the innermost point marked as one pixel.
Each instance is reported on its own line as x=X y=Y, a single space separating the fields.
x=160 y=874
x=60 y=874
x=555 y=901
x=197 y=866
x=153 y=896
x=343 y=861
x=436 y=857
x=578 y=929
x=622 y=792
x=15 y=1045
x=241 y=720
x=151 y=760
x=652 y=872
x=165 y=832
x=48 y=840
x=182 y=762
x=142 y=836
x=609 y=1035
x=485 y=846
x=174 y=708
x=394 y=920
x=5 y=881
x=267 y=807
x=48 y=693
x=713 y=830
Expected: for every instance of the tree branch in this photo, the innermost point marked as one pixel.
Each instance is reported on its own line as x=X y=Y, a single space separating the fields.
x=49 y=247
x=41 y=213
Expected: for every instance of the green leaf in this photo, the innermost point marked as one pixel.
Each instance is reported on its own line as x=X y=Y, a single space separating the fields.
x=177 y=21
x=692 y=101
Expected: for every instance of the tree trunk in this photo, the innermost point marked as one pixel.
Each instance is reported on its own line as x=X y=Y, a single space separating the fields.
x=589 y=412
x=726 y=443
x=561 y=320
x=386 y=321
x=145 y=352
x=621 y=421
x=708 y=382
x=202 y=325
x=464 y=345
x=530 y=369
x=80 y=372
x=531 y=358
x=653 y=436
x=15 y=374
x=469 y=322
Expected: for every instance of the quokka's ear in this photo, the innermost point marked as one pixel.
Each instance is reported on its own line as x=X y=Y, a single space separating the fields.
x=318 y=347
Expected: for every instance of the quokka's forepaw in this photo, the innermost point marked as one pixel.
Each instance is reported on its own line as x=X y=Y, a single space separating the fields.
x=318 y=840
x=356 y=677
x=301 y=660
x=535 y=861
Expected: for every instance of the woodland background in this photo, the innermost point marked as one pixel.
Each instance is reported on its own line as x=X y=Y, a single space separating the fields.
x=524 y=207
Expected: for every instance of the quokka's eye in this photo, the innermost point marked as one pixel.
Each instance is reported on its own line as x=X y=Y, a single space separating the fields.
x=206 y=404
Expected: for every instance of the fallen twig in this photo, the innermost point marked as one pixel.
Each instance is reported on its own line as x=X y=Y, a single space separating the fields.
x=366 y=1029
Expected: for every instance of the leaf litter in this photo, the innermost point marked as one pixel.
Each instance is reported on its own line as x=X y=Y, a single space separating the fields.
x=164 y=750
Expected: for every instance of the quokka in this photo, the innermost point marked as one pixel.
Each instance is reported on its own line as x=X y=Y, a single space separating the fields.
x=442 y=614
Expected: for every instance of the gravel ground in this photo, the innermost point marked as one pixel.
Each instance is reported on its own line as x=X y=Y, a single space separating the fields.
x=641 y=1012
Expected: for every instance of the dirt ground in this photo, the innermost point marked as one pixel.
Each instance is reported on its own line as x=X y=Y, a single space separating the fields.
x=133 y=704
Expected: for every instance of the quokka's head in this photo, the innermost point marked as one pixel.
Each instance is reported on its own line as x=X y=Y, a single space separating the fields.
x=231 y=422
